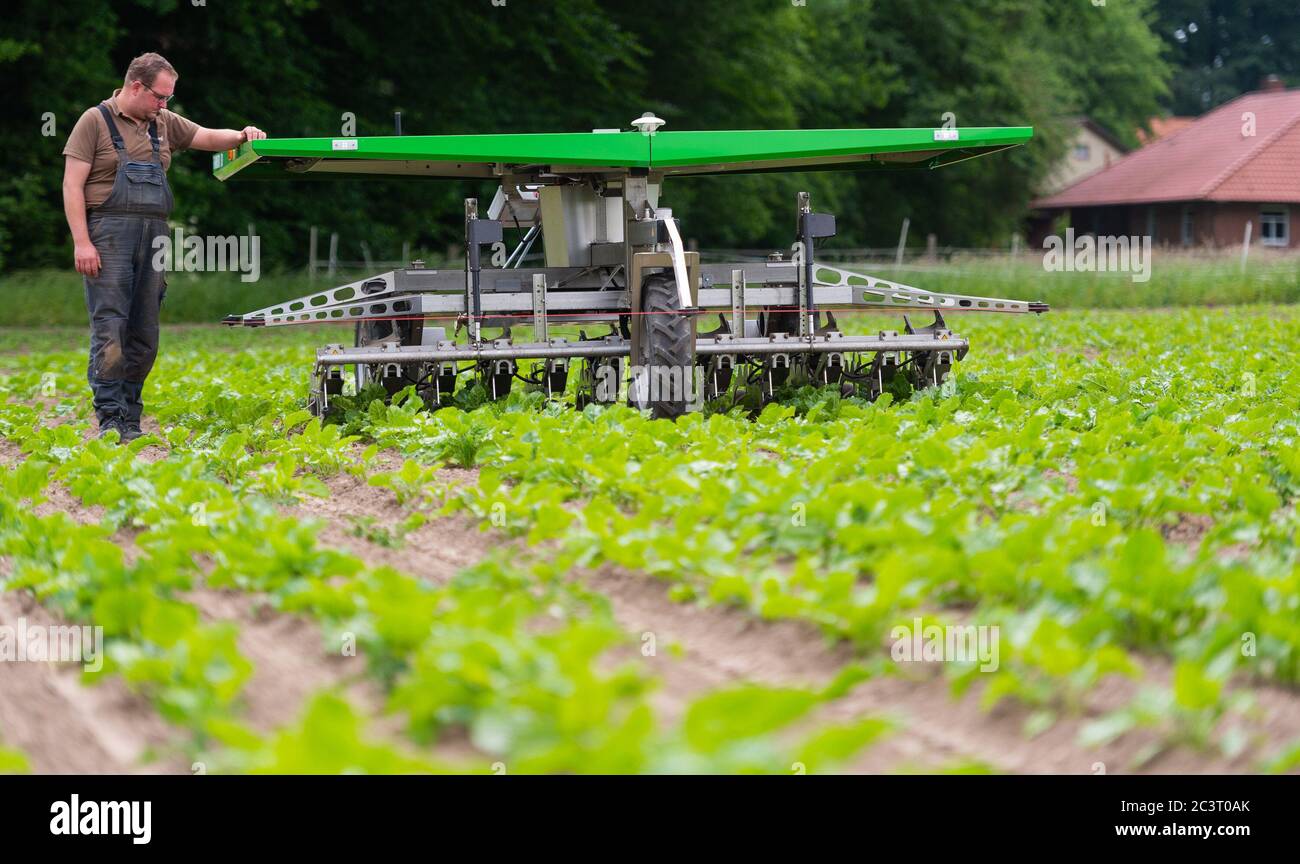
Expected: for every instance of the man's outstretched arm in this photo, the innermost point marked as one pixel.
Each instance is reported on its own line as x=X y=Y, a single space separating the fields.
x=224 y=139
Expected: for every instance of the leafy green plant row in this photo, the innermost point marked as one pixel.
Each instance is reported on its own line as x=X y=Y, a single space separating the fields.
x=192 y=672
x=1045 y=494
x=509 y=654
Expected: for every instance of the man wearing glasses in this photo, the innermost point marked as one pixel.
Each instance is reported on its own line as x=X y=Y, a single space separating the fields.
x=117 y=200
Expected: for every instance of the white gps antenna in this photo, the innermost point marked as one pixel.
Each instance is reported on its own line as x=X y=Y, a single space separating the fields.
x=648 y=123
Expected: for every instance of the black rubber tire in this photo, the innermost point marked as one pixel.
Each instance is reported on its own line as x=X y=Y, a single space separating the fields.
x=667 y=341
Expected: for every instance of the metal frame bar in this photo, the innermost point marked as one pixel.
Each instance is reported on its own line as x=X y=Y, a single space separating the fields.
x=738 y=302
x=777 y=285
x=539 y=307
x=615 y=346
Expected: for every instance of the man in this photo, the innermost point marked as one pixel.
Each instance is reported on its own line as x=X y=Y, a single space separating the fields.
x=117 y=200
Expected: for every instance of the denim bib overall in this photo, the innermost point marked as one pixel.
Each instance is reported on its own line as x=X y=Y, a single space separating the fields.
x=125 y=298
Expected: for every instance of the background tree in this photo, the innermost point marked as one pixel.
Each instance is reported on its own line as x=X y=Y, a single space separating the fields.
x=1223 y=48
x=295 y=67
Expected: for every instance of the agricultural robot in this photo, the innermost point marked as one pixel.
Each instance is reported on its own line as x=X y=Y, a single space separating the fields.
x=615 y=265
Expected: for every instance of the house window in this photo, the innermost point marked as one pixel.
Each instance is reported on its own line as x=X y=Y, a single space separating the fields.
x=1151 y=224
x=1082 y=152
x=1189 y=226
x=1274 y=227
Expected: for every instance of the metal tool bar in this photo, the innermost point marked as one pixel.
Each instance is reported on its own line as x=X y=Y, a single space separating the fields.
x=418 y=280
x=761 y=272
x=409 y=305
x=592 y=302
x=557 y=302
x=620 y=348
x=377 y=299
x=849 y=288
x=484 y=351
x=823 y=345
x=382 y=285
x=865 y=290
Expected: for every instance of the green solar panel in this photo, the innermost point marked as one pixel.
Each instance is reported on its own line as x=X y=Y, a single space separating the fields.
x=667 y=153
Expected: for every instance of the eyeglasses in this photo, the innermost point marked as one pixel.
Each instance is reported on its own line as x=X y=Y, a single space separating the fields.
x=161 y=98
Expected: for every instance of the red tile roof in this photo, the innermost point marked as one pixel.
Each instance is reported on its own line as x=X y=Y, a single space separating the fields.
x=1209 y=160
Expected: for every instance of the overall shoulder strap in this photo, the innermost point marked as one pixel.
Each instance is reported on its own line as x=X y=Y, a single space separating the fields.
x=153 y=135
x=112 y=127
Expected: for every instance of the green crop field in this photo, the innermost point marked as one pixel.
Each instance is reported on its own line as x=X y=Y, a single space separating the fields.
x=520 y=586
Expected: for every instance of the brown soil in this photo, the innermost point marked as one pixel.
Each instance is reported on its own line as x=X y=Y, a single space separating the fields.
x=63 y=726
x=727 y=646
x=435 y=550
x=723 y=646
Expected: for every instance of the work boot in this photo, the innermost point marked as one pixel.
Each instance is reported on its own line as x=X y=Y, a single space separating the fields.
x=112 y=424
x=130 y=431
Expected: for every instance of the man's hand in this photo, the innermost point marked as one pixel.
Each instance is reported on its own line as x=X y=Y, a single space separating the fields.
x=87 y=257
x=224 y=139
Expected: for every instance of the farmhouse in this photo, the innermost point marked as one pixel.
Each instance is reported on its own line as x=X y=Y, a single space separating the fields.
x=1199 y=186
x=1092 y=148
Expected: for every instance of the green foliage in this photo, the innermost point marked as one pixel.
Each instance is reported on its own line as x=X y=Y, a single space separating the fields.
x=13 y=762
x=410 y=483
x=509 y=655
x=1223 y=48
x=1047 y=496
x=328 y=740
x=1113 y=492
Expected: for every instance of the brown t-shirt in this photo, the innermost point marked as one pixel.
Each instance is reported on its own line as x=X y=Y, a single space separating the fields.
x=90 y=142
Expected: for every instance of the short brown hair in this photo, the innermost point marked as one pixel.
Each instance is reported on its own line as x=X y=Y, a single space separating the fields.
x=146 y=67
